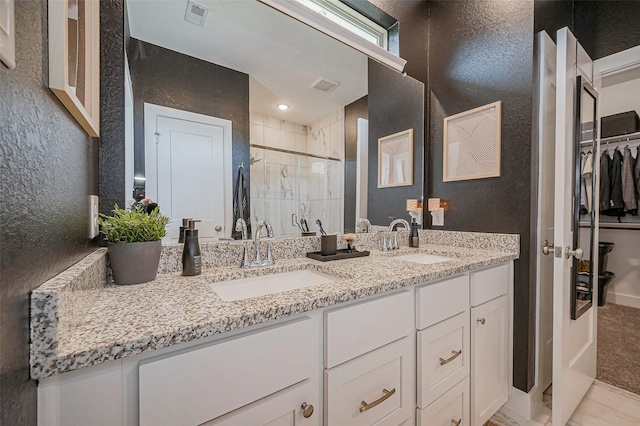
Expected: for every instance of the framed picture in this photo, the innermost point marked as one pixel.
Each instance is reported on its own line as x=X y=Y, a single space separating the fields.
x=7 y=34
x=395 y=160
x=74 y=59
x=472 y=144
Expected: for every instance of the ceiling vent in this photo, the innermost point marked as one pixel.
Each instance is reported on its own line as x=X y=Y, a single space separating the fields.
x=325 y=84
x=196 y=13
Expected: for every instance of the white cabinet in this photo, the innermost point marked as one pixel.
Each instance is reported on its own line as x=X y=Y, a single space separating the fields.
x=205 y=383
x=297 y=405
x=373 y=366
x=372 y=389
x=489 y=358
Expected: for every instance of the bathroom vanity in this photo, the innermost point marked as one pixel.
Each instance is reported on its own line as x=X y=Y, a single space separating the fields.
x=388 y=341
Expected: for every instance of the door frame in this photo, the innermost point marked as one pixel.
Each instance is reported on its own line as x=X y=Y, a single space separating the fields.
x=151 y=114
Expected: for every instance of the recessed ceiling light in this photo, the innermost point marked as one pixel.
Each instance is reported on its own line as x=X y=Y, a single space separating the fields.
x=283 y=107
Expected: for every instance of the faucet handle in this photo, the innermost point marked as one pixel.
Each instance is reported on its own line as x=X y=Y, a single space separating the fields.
x=269 y=260
x=384 y=241
x=395 y=242
x=245 y=256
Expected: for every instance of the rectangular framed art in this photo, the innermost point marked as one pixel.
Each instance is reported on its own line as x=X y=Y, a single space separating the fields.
x=471 y=148
x=74 y=59
x=395 y=160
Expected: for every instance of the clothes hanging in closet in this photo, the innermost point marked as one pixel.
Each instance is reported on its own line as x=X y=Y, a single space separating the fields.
x=636 y=173
x=628 y=183
x=605 y=181
x=587 y=171
x=616 y=202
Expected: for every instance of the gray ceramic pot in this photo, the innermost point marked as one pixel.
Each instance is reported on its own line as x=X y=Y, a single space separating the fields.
x=134 y=263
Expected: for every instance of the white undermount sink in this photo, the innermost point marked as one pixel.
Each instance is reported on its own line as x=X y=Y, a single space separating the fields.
x=424 y=258
x=246 y=288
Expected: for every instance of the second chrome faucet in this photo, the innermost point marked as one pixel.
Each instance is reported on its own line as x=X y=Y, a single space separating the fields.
x=257 y=257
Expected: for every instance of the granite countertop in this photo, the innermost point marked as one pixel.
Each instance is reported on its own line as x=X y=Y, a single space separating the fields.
x=123 y=321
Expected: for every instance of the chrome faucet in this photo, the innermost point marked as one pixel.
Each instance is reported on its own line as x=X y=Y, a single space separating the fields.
x=241 y=225
x=393 y=243
x=257 y=258
x=366 y=222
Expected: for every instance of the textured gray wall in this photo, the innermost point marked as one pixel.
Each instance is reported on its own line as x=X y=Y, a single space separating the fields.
x=396 y=103
x=481 y=51
x=163 y=77
x=48 y=167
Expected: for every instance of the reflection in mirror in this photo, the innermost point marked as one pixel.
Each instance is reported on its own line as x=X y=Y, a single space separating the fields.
x=395 y=160
x=584 y=194
x=284 y=89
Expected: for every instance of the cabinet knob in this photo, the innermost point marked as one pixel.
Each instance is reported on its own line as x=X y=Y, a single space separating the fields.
x=307 y=410
x=481 y=320
x=218 y=228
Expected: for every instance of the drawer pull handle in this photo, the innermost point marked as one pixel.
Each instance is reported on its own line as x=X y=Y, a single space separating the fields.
x=456 y=422
x=481 y=320
x=383 y=398
x=455 y=355
x=307 y=410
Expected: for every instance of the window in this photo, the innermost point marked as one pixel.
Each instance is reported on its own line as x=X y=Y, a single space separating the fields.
x=350 y=20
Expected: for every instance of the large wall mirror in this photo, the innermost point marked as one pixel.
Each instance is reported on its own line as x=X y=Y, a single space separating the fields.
x=234 y=107
x=584 y=212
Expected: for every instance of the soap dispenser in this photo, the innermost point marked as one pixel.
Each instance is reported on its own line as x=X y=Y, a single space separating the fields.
x=183 y=228
x=414 y=239
x=191 y=260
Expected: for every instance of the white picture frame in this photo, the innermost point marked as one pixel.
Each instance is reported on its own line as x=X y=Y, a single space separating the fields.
x=74 y=59
x=471 y=144
x=395 y=160
x=7 y=33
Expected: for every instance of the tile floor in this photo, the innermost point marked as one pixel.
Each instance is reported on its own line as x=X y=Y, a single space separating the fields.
x=603 y=405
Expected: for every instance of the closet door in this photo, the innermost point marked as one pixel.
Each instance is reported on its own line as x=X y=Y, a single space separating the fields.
x=574 y=323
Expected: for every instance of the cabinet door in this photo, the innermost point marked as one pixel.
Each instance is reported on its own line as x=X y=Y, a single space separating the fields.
x=375 y=388
x=285 y=408
x=489 y=359
x=450 y=409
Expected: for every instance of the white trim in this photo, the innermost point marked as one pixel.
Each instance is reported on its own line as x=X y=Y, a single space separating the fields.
x=307 y=16
x=618 y=62
x=525 y=405
x=623 y=299
x=151 y=114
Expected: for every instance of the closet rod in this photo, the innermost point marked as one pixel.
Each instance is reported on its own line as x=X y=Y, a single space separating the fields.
x=615 y=139
x=629 y=226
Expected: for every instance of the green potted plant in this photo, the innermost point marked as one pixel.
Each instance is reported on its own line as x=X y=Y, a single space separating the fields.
x=133 y=238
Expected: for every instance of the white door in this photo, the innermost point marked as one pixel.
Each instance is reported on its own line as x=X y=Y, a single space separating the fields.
x=574 y=341
x=188 y=170
x=546 y=135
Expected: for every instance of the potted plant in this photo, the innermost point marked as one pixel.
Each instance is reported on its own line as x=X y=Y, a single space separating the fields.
x=133 y=238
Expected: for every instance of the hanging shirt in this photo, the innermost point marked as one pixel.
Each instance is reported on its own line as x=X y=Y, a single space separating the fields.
x=587 y=172
x=605 y=182
x=628 y=183
x=636 y=174
x=616 y=203
x=583 y=185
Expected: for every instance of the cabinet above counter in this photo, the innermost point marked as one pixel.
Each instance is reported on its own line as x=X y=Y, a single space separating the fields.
x=120 y=321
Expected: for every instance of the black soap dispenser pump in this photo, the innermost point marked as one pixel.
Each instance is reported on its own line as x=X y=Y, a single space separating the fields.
x=183 y=228
x=414 y=240
x=191 y=259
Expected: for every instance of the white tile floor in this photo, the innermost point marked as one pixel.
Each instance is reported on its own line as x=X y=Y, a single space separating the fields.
x=603 y=405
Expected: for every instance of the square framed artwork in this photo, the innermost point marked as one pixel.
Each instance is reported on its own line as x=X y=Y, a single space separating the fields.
x=74 y=59
x=395 y=160
x=471 y=148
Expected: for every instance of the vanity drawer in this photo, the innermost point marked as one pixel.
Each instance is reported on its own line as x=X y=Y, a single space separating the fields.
x=489 y=283
x=203 y=383
x=380 y=380
x=361 y=328
x=450 y=409
x=441 y=300
x=443 y=357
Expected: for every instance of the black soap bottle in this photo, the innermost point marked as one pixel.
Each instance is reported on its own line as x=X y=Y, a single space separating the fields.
x=414 y=240
x=191 y=260
x=183 y=228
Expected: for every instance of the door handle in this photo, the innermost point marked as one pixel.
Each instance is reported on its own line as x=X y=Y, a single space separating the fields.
x=577 y=253
x=547 y=248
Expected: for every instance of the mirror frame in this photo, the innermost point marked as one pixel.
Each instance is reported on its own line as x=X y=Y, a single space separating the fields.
x=583 y=87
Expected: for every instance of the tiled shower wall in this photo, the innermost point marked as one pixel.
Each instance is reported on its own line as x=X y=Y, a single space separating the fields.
x=287 y=183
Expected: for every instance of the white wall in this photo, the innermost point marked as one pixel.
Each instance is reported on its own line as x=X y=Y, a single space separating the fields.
x=619 y=93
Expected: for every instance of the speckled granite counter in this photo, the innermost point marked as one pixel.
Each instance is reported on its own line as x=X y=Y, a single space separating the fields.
x=123 y=321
